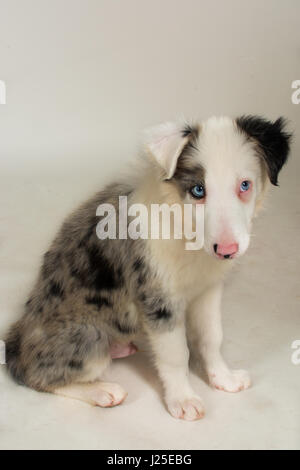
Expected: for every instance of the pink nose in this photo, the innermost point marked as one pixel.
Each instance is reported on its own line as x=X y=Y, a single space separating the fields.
x=226 y=251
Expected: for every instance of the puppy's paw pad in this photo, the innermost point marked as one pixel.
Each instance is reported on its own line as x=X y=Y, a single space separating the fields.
x=189 y=409
x=230 y=381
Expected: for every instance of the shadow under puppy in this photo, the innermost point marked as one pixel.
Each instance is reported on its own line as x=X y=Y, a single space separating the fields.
x=93 y=297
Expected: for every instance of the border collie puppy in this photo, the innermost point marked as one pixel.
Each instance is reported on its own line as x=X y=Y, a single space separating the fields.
x=94 y=297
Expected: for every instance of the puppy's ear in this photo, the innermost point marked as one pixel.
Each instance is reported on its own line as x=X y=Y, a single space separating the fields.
x=167 y=141
x=272 y=139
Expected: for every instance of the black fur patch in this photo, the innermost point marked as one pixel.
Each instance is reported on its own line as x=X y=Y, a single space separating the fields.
x=272 y=139
x=56 y=289
x=162 y=314
x=102 y=275
x=75 y=364
x=98 y=301
x=93 y=270
x=156 y=310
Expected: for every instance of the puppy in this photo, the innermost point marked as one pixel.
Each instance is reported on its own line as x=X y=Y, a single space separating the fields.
x=94 y=296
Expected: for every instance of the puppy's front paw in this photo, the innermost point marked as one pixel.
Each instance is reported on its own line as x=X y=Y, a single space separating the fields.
x=230 y=380
x=189 y=409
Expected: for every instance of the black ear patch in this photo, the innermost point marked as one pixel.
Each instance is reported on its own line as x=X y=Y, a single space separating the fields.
x=273 y=141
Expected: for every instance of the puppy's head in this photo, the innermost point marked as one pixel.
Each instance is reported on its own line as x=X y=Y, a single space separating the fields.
x=225 y=164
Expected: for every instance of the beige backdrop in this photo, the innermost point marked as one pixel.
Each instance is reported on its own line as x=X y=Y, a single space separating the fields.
x=83 y=78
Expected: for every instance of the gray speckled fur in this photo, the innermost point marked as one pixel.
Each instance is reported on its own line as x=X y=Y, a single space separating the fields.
x=89 y=293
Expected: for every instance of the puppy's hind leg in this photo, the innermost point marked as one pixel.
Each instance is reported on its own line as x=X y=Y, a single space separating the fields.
x=97 y=393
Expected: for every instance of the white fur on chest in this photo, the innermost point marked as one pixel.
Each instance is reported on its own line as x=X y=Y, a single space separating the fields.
x=185 y=274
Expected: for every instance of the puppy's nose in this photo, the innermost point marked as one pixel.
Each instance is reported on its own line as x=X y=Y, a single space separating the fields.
x=226 y=251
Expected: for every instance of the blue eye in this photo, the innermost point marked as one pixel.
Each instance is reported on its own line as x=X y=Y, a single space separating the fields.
x=198 y=191
x=245 y=186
